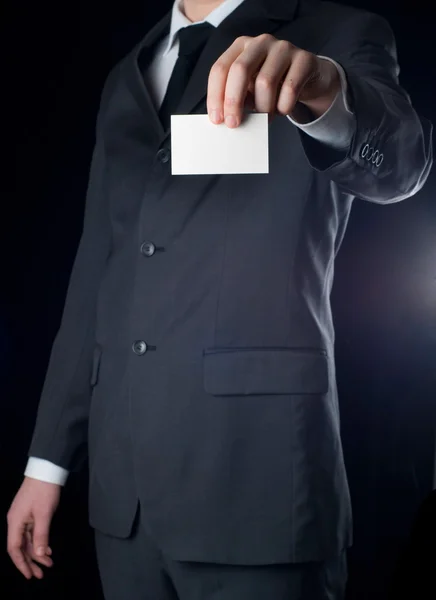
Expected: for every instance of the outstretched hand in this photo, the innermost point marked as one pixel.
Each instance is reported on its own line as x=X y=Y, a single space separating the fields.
x=269 y=76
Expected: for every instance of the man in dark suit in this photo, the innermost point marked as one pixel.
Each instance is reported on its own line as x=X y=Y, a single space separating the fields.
x=194 y=364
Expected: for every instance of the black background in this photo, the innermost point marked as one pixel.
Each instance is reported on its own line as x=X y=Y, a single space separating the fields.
x=55 y=60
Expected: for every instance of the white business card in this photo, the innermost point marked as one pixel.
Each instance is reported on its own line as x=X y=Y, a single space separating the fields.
x=199 y=147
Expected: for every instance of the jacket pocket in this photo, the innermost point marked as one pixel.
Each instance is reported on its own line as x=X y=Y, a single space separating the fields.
x=96 y=359
x=265 y=371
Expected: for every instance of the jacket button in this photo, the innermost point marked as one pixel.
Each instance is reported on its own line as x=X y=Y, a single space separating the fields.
x=139 y=347
x=163 y=155
x=364 y=151
x=148 y=249
x=379 y=160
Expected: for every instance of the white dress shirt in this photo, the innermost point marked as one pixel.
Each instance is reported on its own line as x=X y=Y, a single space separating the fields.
x=335 y=128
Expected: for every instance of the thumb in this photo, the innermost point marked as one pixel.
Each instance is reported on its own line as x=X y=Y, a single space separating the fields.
x=40 y=533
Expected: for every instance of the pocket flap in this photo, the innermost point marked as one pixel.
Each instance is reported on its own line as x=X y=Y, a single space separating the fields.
x=250 y=371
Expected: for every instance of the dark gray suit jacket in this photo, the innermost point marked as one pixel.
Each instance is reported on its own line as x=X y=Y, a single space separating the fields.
x=225 y=422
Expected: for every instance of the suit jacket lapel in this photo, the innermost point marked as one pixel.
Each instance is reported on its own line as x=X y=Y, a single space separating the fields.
x=135 y=67
x=251 y=18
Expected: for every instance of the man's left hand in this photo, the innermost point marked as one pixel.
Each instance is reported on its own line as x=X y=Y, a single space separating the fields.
x=270 y=76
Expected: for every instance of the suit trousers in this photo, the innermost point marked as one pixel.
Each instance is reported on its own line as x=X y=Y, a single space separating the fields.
x=136 y=569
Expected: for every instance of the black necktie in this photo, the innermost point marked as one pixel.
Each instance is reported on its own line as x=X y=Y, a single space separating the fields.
x=192 y=41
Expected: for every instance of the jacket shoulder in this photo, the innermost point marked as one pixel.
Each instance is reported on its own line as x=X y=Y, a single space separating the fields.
x=332 y=12
x=330 y=23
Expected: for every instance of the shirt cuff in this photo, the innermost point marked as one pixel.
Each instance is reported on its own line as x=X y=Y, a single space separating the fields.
x=335 y=127
x=44 y=470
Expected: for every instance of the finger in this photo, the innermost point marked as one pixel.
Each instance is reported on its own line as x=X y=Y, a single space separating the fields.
x=15 y=551
x=40 y=534
x=241 y=72
x=217 y=80
x=45 y=560
x=302 y=69
x=31 y=554
x=35 y=569
x=270 y=76
x=19 y=560
x=42 y=560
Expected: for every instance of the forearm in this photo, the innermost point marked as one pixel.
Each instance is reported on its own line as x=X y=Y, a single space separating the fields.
x=60 y=434
x=390 y=154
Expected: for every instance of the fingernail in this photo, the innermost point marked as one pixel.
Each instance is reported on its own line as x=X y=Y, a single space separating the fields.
x=216 y=116
x=40 y=551
x=231 y=121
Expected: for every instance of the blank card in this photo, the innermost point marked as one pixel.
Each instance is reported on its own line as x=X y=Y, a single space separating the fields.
x=199 y=147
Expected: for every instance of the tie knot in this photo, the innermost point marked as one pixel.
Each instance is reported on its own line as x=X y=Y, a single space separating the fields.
x=193 y=38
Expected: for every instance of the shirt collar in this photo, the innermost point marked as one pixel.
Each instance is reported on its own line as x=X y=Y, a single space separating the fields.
x=215 y=18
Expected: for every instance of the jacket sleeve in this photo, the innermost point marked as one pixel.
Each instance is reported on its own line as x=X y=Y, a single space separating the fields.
x=60 y=434
x=390 y=155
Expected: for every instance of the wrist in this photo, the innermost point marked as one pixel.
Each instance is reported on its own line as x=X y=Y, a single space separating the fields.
x=35 y=481
x=318 y=106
